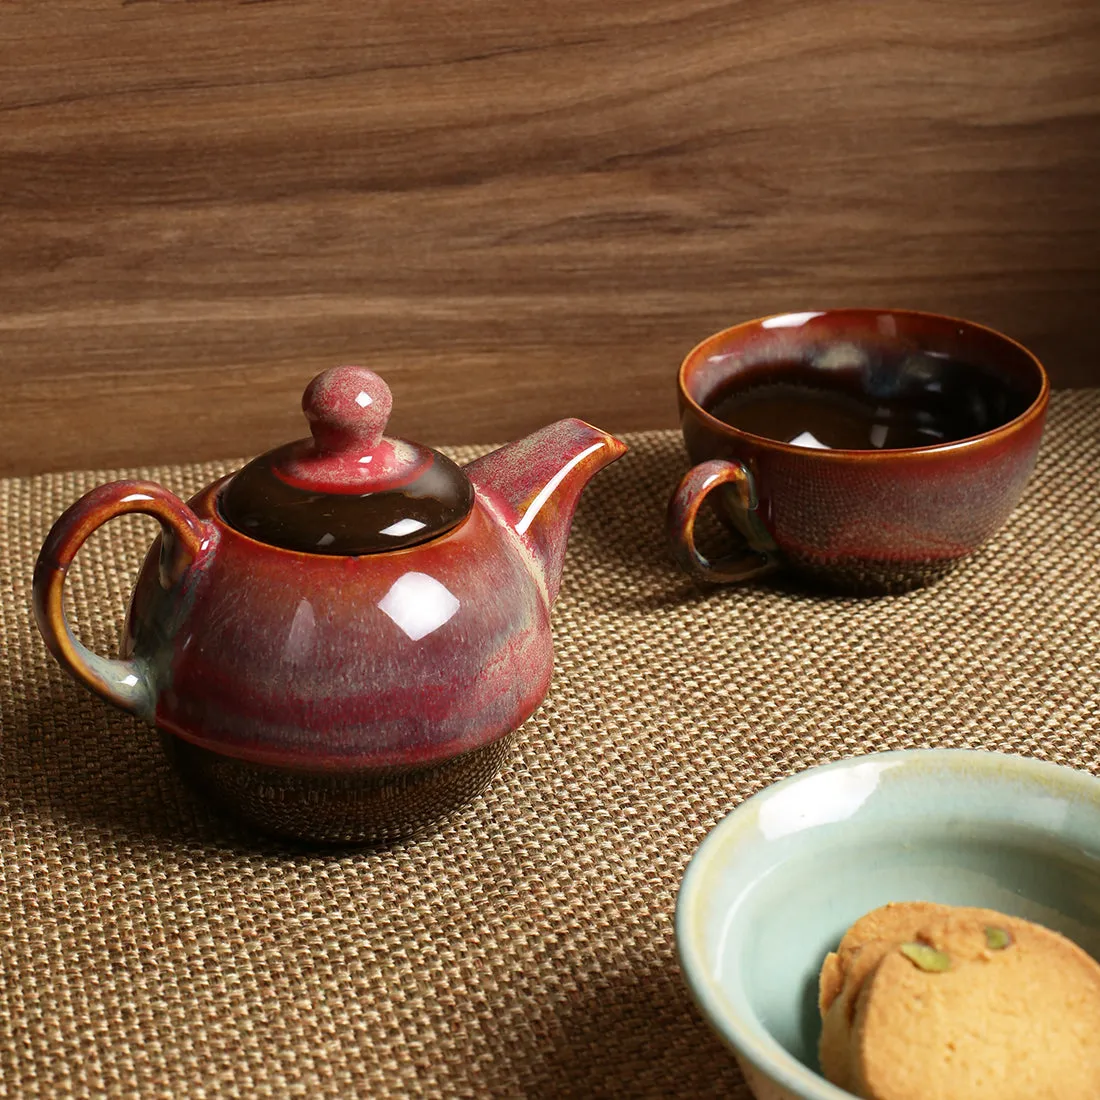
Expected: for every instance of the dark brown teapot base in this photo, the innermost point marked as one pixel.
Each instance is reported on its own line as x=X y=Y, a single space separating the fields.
x=372 y=807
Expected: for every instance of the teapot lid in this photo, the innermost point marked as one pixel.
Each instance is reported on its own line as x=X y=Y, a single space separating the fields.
x=349 y=489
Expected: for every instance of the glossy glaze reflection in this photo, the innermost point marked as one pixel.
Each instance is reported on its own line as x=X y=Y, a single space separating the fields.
x=349 y=489
x=398 y=659
x=870 y=519
x=868 y=401
x=377 y=688
x=261 y=504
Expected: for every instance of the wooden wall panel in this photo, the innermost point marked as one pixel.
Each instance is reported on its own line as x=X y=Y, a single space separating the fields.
x=515 y=210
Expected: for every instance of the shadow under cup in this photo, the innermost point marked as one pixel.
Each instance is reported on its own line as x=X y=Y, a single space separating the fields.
x=869 y=449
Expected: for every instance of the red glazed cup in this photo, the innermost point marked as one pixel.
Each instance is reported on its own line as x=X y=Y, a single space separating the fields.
x=866 y=520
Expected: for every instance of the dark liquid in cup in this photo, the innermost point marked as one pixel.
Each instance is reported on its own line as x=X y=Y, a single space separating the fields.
x=921 y=402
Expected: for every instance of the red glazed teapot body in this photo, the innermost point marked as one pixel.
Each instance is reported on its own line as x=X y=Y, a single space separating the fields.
x=339 y=697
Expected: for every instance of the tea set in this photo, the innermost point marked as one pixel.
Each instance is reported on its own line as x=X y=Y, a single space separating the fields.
x=338 y=642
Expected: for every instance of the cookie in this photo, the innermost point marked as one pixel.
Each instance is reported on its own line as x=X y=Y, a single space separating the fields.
x=928 y=1002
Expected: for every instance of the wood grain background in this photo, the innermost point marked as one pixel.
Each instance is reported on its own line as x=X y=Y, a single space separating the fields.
x=515 y=210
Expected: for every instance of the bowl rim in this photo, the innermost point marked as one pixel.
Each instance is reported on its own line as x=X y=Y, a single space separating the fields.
x=1035 y=411
x=770 y=1058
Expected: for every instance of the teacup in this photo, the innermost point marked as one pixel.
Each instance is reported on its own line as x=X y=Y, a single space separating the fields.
x=871 y=449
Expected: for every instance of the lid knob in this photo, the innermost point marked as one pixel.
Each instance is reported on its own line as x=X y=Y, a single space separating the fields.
x=347 y=407
x=350 y=489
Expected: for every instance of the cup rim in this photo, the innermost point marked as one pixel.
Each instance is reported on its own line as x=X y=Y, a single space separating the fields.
x=1034 y=411
x=768 y=1057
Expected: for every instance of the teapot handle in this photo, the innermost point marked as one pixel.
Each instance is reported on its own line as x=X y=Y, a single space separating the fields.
x=126 y=683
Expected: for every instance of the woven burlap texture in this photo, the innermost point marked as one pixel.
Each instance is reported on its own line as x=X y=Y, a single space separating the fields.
x=151 y=948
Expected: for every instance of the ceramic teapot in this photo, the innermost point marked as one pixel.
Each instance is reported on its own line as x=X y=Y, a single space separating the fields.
x=338 y=641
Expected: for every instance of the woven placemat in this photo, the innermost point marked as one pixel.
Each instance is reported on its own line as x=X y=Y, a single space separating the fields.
x=151 y=948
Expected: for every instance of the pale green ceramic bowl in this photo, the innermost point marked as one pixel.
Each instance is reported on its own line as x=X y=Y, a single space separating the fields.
x=774 y=886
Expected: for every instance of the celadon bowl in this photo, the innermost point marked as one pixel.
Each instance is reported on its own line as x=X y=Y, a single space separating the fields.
x=776 y=883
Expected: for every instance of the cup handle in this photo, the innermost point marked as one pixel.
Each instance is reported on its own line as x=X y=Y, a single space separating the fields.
x=683 y=507
x=126 y=683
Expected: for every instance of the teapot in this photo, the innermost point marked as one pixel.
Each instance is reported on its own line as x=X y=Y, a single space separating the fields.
x=338 y=642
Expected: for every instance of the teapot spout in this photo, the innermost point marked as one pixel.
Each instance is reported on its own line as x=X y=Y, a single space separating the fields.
x=533 y=485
